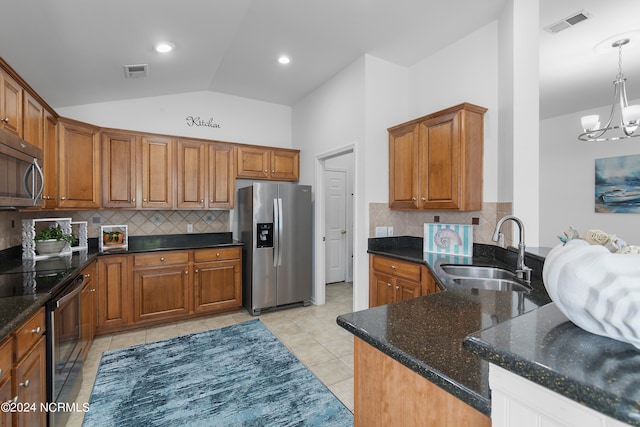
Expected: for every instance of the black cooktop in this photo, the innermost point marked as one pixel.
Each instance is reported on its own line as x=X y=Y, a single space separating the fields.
x=29 y=277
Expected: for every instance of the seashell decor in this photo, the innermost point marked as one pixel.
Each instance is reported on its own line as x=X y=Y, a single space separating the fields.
x=595 y=282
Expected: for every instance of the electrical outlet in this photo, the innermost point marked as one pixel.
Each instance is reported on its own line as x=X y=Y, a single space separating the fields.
x=189 y=228
x=381 y=231
x=390 y=231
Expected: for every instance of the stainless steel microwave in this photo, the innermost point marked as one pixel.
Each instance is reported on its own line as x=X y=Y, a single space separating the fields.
x=21 y=177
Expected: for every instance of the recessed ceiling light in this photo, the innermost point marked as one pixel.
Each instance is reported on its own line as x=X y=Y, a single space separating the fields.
x=284 y=59
x=163 y=47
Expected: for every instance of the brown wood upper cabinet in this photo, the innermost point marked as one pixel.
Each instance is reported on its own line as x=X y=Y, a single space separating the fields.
x=205 y=173
x=11 y=94
x=157 y=172
x=79 y=165
x=278 y=164
x=119 y=170
x=435 y=161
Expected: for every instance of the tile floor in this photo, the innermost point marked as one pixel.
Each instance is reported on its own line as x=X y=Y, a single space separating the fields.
x=311 y=333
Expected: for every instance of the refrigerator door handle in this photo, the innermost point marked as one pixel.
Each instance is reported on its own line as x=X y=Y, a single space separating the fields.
x=280 y=231
x=276 y=232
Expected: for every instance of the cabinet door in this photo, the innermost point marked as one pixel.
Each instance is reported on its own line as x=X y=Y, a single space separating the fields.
x=191 y=174
x=403 y=167
x=217 y=285
x=440 y=157
x=253 y=163
x=50 y=162
x=88 y=309
x=10 y=104
x=33 y=116
x=118 y=170
x=160 y=292
x=285 y=165
x=157 y=173
x=6 y=393
x=30 y=385
x=113 y=292
x=222 y=174
x=406 y=289
x=5 y=396
x=381 y=289
x=79 y=166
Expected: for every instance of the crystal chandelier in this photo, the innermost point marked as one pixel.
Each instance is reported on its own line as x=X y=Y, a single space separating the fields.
x=629 y=115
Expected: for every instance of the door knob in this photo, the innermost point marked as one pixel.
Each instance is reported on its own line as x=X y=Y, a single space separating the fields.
x=343 y=232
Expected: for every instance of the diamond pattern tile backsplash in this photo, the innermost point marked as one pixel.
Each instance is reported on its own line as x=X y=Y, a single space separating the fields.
x=411 y=223
x=141 y=223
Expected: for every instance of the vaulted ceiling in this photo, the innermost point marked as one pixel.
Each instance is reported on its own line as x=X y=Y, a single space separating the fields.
x=72 y=52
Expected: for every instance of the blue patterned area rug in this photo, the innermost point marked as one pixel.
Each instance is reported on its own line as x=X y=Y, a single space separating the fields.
x=240 y=375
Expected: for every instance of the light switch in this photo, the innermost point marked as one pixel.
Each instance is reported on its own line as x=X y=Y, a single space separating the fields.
x=390 y=231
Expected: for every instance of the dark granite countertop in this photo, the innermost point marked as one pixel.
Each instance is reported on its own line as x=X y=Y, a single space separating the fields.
x=426 y=334
x=16 y=309
x=548 y=349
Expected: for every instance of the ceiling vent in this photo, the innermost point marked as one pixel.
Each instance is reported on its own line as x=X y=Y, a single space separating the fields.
x=567 y=22
x=135 y=71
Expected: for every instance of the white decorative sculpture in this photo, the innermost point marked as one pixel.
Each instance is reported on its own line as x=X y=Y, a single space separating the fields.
x=596 y=289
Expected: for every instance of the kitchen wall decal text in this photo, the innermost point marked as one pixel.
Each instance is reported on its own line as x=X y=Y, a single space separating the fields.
x=197 y=121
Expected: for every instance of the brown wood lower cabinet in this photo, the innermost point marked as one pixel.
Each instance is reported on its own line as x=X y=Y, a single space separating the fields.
x=392 y=280
x=88 y=308
x=114 y=299
x=155 y=287
x=160 y=286
x=217 y=280
x=387 y=393
x=23 y=373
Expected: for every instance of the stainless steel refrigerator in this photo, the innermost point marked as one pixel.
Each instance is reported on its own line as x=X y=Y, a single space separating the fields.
x=274 y=223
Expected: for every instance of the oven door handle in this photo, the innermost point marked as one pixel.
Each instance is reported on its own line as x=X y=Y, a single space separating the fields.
x=71 y=294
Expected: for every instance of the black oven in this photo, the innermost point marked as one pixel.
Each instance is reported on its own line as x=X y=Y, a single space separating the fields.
x=64 y=348
x=21 y=178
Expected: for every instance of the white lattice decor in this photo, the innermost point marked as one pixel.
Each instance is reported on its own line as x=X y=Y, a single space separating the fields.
x=65 y=224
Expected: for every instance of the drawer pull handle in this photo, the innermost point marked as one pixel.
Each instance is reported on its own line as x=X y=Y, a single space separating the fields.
x=93 y=290
x=88 y=275
x=217 y=253
x=36 y=330
x=5 y=120
x=393 y=267
x=388 y=285
x=25 y=384
x=186 y=272
x=397 y=287
x=161 y=259
x=196 y=270
x=413 y=199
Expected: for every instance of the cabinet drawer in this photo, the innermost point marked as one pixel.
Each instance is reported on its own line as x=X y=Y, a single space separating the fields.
x=6 y=355
x=161 y=258
x=29 y=333
x=216 y=254
x=399 y=268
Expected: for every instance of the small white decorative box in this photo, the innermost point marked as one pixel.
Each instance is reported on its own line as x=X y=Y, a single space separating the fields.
x=454 y=239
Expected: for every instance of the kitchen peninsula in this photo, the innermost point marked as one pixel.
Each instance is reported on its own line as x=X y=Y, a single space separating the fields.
x=424 y=342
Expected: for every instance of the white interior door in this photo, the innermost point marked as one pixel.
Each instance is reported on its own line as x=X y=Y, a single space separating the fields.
x=336 y=225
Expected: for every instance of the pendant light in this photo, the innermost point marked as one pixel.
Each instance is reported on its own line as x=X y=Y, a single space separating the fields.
x=629 y=115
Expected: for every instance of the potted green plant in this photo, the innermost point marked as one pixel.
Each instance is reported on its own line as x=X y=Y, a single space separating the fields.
x=52 y=240
x=110 y=238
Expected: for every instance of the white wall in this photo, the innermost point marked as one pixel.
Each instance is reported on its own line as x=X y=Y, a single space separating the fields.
x=354 y=108
x=567 y=179
x=241 y=120
x=465 y=71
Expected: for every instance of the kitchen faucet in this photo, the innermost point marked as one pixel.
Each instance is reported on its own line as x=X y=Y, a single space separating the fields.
x=523 y=271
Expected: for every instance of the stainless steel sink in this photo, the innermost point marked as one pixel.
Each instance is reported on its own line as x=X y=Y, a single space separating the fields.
x=492 y=284
x=484 y=277
x=477 y=271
